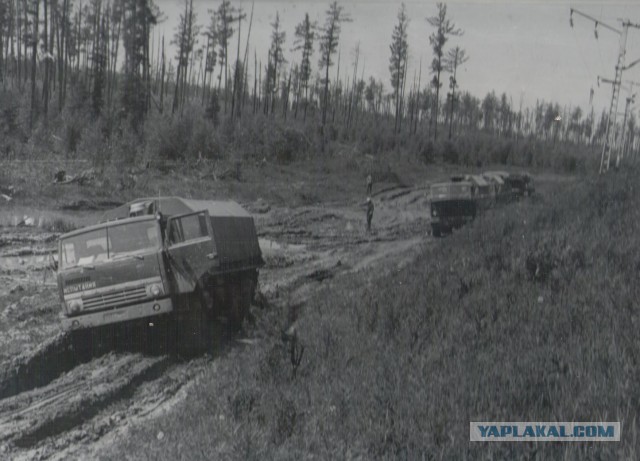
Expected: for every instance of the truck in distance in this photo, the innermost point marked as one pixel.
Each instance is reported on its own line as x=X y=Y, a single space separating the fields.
x=159 y=257
x=452 y=205
x=521 y=184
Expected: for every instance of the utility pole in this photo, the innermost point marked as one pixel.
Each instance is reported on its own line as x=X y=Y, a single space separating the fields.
x=611 y=142
x=621 y=151
x=631 y=99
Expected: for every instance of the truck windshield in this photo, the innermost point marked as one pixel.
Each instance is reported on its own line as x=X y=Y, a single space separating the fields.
x=451 y=190
x=110 y=243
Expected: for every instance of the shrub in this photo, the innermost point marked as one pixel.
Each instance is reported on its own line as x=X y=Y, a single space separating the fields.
x=182 y=137
x=288 y=144
x=10 y=124
x=427 y=151
x=450 y=152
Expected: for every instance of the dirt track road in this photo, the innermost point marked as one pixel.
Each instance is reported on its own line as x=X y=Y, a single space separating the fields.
x=54 y=405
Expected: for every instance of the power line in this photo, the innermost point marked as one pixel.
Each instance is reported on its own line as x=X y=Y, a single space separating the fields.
x=612 y=142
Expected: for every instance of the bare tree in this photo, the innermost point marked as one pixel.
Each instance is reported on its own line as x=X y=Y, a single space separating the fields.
x=329 y=39
x=452 y=60
x=101 y=39
x=353 y=92
x=398 y=60
x=211 y=55
x=45 y=49
x=444 y=29
x=115 y=22
x=34 y=57
x=238 y=78
x=185 y=38
x=276 y=57
x=224 y=32
x=305 y=34
x=4 y=23
x=138 y=18
x=245 y=66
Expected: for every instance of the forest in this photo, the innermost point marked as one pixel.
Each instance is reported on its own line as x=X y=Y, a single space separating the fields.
x=86 y=81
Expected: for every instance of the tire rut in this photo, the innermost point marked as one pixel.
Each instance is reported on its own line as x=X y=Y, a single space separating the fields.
x=46 y=416
x=38 y=368
x=91 y=404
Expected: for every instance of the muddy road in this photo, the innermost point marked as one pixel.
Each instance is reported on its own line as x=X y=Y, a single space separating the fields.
x=56 y=403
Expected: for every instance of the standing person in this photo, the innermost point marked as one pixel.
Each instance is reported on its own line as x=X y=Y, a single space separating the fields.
x=369 y=184
x=369 y=213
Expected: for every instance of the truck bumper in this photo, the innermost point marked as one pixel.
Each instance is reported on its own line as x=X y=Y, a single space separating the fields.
x=121 y=314
x=450 y=222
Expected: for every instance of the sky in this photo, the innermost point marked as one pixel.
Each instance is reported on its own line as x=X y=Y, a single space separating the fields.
x=524 y=48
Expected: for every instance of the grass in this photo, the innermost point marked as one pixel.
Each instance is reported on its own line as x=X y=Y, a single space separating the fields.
x=529 y=314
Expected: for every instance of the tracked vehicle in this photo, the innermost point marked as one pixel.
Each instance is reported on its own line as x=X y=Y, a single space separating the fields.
x=160 y=257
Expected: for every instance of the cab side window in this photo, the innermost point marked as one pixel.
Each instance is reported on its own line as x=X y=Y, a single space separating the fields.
x=188 y=228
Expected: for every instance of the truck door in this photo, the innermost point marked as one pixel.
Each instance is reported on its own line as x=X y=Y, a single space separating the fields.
x=190 y=248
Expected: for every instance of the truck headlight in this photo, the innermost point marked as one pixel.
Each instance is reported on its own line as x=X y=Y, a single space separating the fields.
x=74 y=305
x=154 y=290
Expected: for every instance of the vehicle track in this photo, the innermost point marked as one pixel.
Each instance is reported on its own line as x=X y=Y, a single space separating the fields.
x=56 y=390
x=38 y=368
x=42 y=416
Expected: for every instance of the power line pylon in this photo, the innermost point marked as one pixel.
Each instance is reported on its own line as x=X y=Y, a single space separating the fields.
x=611 y=143
x=630 y=100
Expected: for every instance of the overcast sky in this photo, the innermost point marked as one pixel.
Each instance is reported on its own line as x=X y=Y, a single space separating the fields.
x=525 y=48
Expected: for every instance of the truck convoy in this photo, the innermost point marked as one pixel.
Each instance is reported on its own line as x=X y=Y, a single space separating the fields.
x=154 y=257
x=454 y=203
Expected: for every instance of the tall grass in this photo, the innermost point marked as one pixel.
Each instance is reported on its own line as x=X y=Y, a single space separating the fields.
x=529 y=314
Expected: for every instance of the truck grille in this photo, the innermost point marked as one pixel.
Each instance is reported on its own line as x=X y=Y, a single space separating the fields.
x=77 y=281
x=114 y=298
